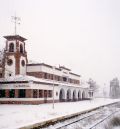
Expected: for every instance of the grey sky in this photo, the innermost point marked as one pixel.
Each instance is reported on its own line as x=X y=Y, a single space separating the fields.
x=80 y=34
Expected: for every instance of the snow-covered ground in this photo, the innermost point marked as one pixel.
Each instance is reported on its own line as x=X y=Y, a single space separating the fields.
x=15 y=116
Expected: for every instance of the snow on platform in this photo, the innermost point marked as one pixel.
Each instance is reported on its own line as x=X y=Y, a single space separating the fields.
x=16 y=116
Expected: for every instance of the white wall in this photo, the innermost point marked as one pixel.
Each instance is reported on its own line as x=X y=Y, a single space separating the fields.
x=33 y=68
x=10 y=69
x=74 y=77
x=15 y=86
x=40 y=68
x=22 y=68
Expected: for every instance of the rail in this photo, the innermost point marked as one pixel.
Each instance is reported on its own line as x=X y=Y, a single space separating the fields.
x=101 y=121
x=67 y=124
x=93 y=126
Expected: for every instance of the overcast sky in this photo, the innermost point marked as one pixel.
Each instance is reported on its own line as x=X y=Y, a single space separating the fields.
x=83 y=35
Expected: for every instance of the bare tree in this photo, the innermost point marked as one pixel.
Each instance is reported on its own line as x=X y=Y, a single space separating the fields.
x=93 y=85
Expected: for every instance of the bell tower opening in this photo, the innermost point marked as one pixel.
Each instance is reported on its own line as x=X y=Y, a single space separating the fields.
x=21 y=48
x=11 y=47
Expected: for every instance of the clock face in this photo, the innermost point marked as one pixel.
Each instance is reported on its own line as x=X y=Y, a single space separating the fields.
x=10 y=62
x=23 y=63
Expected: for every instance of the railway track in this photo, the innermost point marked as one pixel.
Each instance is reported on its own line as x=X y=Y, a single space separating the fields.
x=88 y=120
x=101 y=121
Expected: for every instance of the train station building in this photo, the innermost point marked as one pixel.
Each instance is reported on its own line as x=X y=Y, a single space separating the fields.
x=35 y=83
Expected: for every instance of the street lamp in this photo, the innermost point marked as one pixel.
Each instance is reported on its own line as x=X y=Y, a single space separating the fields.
x=53 y=86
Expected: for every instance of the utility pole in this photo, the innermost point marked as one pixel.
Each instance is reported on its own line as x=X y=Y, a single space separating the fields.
x=53 y=88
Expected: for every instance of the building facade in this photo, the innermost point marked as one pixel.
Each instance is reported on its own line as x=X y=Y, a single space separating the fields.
x=35 y=83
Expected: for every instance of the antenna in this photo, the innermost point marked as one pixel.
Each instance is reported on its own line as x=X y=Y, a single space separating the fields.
x=16 y=21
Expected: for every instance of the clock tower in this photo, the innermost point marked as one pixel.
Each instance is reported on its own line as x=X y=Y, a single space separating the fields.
x=15 y=56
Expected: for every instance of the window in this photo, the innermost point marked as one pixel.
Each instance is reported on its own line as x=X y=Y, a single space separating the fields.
x=71 y=80
x=45 y=93
x=49 y=93
x=21 y=48
x=58 y=78
x=11 y=47
x=0 y=75
x=52 y=76
x=2 y=93
x=12 y=93
x=9 y=62
x=41 y=94
x=64 y=79
x=49 y=76
x=34 y=93
x=23 y=63
x=45 y=75
x=22 y=93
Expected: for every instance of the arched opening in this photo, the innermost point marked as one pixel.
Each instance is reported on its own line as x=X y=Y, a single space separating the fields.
x=79 y=95
x=74 y=95
x=62 y=95
x=11 y=47
x=83 y=95
x=21 y=48
x=90 y=94
x=11 y=93
x=68 y=95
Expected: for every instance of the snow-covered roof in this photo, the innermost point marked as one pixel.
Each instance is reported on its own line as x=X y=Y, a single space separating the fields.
x=19 y=78
x=32 y=62
x=26 y=78
x=12 y=37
